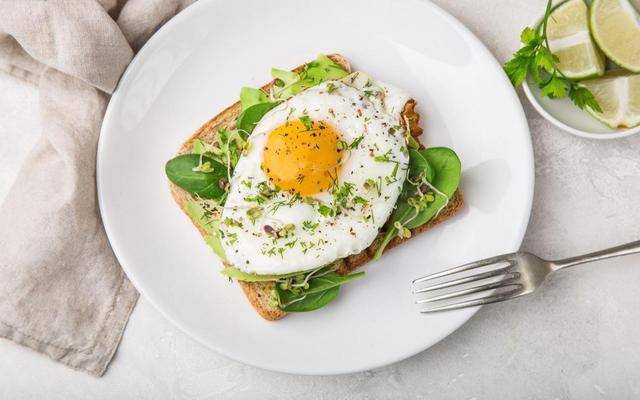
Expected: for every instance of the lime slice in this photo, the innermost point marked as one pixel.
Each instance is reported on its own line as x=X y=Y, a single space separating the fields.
x=570 y=40
x=618 y=93
x=615 y=25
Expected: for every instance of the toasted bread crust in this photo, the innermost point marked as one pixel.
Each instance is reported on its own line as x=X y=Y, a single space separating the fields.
x=258 y=293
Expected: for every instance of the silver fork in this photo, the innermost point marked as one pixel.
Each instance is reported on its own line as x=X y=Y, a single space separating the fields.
x=506 y=277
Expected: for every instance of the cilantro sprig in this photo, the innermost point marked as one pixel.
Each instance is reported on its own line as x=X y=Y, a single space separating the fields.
x=535 y=59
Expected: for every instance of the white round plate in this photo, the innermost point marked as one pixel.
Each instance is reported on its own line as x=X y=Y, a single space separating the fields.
x=195 y=66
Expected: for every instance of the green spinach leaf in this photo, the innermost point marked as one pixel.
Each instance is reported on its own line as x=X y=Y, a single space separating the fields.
x=418 y=164
x=445 y=174
x=183 y=172
x=248 y=119
x=313 y=301
x=447 y=178
x=321 y=284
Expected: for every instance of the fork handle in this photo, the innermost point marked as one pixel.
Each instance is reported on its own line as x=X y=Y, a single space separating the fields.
x=622 y=250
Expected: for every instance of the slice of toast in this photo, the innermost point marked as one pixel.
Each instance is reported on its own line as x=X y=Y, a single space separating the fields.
x=259 y=293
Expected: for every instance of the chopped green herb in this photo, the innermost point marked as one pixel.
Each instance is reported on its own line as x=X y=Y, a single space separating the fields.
x=384 y=157
x=255 y=199
x=233 y=237
x=373 y=184
x=232 y=222
x=356 y=142
x=325 y=210
x=203 y=167
x=310 y=226
x=291 y=111
x=342 y=193
x=306 y=121
x=535 y=58
x=360 y=200
x=254 y=213
x=370 y=93
x=395 y=170
x=286 y=230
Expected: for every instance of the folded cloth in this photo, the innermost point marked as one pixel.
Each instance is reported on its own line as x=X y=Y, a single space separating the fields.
x=62 y=291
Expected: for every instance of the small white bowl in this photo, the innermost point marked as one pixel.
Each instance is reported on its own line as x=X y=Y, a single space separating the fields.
x=566 y=116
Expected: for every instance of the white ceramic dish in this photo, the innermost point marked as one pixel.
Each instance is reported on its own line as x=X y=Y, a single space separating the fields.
x=566 y=116
x=194 y=67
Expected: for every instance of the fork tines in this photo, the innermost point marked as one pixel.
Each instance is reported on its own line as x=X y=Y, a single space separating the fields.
x=499 y=282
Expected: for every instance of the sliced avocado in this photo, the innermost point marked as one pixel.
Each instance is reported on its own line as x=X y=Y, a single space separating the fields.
x=198 y=213
x=250 y=96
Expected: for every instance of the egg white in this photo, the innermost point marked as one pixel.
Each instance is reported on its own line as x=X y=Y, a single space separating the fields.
x=352 y=111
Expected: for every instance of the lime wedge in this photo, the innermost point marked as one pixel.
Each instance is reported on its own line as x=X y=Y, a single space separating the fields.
x=570 y=40
x=615 y=26
x=618 y=93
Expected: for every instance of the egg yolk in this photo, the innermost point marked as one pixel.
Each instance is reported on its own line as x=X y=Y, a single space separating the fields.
x=302 y=156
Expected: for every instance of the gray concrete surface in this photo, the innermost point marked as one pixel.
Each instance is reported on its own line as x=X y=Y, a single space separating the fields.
x=578 y=338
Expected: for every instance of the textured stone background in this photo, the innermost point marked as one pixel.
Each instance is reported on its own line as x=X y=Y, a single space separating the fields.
x=579 y=338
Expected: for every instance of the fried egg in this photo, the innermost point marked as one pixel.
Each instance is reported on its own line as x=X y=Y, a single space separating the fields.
x=319 y=179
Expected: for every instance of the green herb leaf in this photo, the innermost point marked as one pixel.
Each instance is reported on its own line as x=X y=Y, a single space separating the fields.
x=325 y=210
x=555 y=88
x=310 y=226
x=528 y=35
x=535 y=58
x=207 y=185
x=249 y=118
x=545 y=60
x=517 y=69
x=306 y=121
x=356 y=142
x=582 y=98
x=254 y=213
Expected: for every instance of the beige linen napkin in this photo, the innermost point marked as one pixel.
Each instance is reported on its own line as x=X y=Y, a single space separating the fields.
x=62 y=292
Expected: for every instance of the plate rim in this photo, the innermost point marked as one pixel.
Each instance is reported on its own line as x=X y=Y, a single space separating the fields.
x=530 y=172
x=613 y=134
